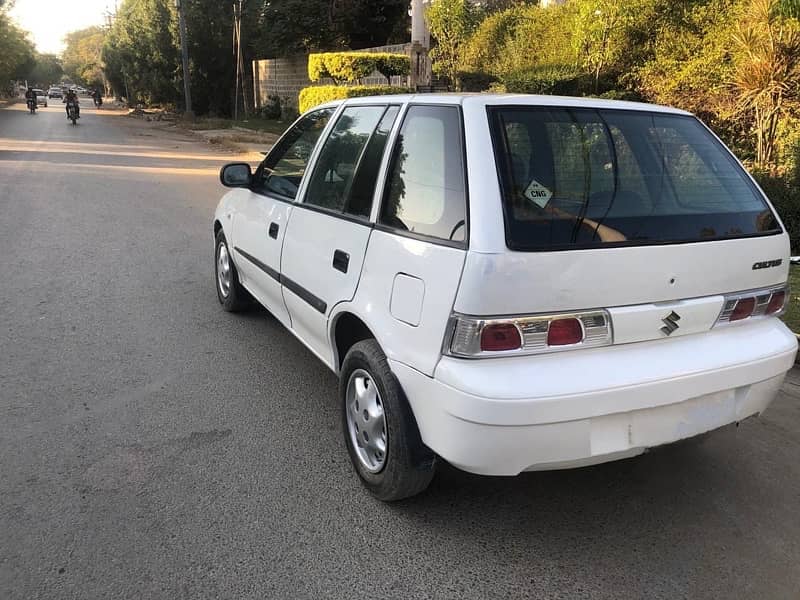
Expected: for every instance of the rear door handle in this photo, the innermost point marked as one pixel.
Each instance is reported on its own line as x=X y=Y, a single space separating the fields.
x=341 y=260
x=273 y=230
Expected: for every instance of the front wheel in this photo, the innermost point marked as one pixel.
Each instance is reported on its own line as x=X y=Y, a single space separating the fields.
x=232 y=296
x=380 y=430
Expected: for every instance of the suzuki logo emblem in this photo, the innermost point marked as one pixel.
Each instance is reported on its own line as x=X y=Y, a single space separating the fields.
x=670 y=323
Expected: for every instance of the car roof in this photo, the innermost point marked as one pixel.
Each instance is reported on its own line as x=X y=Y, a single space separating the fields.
x=482 y=99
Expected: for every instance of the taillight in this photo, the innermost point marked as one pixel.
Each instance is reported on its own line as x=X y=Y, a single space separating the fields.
x=476 y=337
x=500 y=337
x=776 y=302
x=751 y=305
x=743 y=309
x=564 y=332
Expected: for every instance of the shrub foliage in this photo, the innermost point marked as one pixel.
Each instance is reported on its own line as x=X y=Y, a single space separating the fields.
x=348 y=67
x=319 y=94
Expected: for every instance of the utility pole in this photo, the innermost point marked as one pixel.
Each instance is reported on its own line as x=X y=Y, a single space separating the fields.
x=238 y=7
x=237 y=41
x=420 y=44
x=184 y=59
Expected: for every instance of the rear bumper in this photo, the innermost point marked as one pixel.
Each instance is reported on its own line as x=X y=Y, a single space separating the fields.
x=504 y=416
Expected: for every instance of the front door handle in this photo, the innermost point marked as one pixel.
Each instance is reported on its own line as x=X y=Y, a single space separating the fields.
x=273 y=231
x=341 y=260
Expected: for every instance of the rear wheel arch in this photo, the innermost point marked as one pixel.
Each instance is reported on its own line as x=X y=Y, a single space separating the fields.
x=346 y=331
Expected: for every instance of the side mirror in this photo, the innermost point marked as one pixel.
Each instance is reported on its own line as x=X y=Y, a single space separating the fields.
x=236 y=175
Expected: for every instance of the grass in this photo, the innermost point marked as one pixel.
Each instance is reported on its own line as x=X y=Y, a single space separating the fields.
x=265 y=125
x=792 y=316
x=206 y=124
x=256 y=124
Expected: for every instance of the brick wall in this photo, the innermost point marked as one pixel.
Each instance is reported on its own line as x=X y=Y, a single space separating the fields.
x=285 y=77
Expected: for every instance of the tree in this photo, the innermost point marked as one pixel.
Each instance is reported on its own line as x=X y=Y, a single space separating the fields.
x=295 y=26
x=141 y=52
x=691 y=63
x=367 y=24
x=524 y=49
x=17 y=56
x=212 y=63
x=767 y=74
x=599 y=29
x=485 y=51
x=83 y=60
x=451 y=22
x=46 y=70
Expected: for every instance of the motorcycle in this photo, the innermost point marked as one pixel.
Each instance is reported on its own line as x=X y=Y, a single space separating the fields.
x=72 y=112
x=32 y=105
x=98 y=101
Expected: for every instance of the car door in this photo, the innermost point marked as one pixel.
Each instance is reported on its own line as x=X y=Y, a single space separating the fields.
x=260 y=220
x=328 y=231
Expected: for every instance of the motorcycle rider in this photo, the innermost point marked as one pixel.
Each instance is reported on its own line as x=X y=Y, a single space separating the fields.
x=30 y=96
x=72 y=97
x=98 y=98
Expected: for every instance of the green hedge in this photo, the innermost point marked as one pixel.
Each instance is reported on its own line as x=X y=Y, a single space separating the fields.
x=352 y=66
x=319 y=94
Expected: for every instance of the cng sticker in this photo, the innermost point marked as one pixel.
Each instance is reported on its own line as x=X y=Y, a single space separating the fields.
x=538 y=194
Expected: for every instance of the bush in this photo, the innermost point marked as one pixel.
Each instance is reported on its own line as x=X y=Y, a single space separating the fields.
x=784 y=191
x=476 y=82
x=561 y=80
x=392 y=65
x=272 y=108
x=319 y=94
x=352 y=66
x=486 y=49
x=548 y=79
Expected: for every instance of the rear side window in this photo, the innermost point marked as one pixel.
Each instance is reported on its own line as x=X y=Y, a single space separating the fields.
x=359 y=202
x=588 y=177
x=347 y=168
x=425 y=192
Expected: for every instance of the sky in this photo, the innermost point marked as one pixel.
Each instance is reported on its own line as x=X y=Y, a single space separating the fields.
x=49 y=20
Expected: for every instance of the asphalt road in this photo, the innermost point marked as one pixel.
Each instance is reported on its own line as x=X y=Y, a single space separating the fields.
x=154 y=446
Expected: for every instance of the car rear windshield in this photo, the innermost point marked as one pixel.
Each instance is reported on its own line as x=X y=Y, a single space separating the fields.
x=578 y=178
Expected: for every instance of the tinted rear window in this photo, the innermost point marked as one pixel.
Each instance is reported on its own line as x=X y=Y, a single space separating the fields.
x=587 y=177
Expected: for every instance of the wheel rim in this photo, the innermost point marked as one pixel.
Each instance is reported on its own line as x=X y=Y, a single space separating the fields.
x=366 y=422
x=223 y=270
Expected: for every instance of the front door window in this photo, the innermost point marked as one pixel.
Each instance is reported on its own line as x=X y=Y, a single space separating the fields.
x=282 y=170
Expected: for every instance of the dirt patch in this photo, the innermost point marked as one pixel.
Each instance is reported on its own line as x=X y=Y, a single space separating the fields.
x=153 y=115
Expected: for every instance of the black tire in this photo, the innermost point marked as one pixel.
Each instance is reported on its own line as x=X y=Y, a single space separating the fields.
x=238 y=298
x=409 y=465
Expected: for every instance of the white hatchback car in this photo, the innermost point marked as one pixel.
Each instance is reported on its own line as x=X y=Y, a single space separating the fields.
x=512 y=283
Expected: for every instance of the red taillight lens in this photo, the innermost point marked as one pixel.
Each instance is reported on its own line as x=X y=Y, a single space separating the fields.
x=776 y=302
x=502 y=336
x=744 y=308
x=563 y=332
